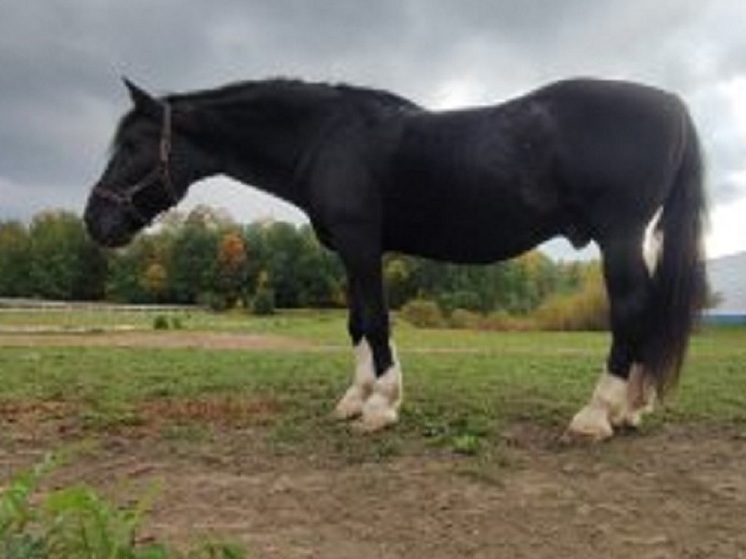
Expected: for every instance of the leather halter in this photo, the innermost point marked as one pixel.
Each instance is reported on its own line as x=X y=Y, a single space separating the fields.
x=161 y=172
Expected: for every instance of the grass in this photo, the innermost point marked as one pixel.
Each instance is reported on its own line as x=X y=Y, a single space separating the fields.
x=461 y=387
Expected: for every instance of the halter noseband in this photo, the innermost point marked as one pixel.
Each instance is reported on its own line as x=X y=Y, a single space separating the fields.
x=160 y=172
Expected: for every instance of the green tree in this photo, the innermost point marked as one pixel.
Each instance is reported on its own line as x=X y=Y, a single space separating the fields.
x=397 y=274
x=65 y=264
x=191 y=264
x=284 y=252
x=320 y=272
x=127 y=267
x=14 y=260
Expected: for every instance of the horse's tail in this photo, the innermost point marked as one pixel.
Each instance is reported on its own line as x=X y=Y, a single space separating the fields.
x=679 y=278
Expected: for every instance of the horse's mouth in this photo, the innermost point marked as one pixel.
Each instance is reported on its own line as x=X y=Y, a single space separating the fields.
x=107 y=232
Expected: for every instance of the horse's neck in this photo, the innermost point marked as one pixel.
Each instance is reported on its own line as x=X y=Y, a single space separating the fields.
x=265 y=147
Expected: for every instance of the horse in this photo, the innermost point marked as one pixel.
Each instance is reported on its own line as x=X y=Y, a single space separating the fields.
x=588 y=159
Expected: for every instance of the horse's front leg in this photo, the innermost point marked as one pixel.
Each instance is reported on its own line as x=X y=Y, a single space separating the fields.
x=376 y=391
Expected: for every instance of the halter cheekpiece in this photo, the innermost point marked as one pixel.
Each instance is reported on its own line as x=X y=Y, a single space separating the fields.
x=161 y=172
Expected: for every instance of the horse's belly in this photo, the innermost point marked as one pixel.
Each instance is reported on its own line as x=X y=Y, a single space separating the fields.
x=476 y=236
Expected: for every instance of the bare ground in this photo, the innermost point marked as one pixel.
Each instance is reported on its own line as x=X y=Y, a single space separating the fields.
x=677 y=492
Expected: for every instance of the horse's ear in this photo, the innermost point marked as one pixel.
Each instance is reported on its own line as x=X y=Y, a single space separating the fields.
x=142 y=100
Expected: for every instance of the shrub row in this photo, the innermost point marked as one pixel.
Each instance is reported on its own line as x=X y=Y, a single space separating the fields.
x=586 y=310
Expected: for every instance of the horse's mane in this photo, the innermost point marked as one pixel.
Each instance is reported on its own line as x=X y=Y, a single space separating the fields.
x=294 y=91
x=292 y=88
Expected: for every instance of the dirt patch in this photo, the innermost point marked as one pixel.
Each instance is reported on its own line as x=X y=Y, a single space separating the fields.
x=150 y=339
x=677 y=492
x=216 y=411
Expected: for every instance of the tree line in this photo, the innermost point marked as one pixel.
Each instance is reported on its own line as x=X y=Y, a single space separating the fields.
x=204 y=257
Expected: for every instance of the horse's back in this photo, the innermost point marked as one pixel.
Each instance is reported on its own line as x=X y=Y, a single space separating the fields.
x=472 y=185
x=579 y=158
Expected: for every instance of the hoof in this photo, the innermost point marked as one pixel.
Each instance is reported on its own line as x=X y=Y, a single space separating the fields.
x=351 y=404
x=591 y=424
x=375 y=422
x=381 y=409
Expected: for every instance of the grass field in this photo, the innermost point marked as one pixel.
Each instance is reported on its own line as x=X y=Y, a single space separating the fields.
x=232 y=414
x=458 y=383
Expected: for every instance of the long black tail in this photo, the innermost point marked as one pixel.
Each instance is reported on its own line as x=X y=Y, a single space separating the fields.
x=679 y=279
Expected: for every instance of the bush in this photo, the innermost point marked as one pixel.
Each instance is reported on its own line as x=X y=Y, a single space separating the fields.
x=503 y=321
x=163 y=322
x=213 y=301
x=453 y=300
x=75 y=522
x=423 y=313
x=587 y=310
x=464 y=319
x=264 y=302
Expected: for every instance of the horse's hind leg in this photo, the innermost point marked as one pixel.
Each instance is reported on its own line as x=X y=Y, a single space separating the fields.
x=622 y=393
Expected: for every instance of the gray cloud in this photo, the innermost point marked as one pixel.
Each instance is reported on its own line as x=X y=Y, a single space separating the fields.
x=60 y=64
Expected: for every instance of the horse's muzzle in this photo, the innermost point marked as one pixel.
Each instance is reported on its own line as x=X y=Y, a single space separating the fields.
x=107 y=225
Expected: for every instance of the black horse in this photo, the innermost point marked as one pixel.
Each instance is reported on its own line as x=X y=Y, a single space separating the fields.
x=586 y=159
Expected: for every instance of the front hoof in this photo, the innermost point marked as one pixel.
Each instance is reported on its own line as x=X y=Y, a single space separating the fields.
x=378 y=414
x=351 y=404
x=591 y=424
x=370 y=423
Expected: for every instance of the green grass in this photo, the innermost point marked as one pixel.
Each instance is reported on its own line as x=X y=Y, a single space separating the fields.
x=461 y=388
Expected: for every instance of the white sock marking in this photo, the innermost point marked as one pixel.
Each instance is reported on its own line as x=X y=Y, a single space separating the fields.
x=607 y=407
x=381 y=409
x=351 y=404
x=615 y=403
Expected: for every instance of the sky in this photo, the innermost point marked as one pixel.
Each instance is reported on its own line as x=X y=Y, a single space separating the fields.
x=61 y=63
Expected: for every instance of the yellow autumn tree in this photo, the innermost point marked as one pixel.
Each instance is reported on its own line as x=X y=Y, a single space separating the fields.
x=154 y=280
x=231 y=269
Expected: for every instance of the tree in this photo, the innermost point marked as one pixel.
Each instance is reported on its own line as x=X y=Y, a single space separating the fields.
x=231 y=268
x=14 y=260
x=154 y=281
x=398 y=277
x=191 y=263
x=284 y=251
x=127 y=267
x=65 y=264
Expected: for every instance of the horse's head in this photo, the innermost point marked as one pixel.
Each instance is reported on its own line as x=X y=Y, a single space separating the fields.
x=149 y=171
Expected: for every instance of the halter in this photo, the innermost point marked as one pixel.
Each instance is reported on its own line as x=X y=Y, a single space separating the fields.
x=161 y=172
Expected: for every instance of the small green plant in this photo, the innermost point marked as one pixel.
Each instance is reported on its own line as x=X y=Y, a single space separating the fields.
x=264 y=302
x=160 y=322
x=468 y=444
x=77 y=523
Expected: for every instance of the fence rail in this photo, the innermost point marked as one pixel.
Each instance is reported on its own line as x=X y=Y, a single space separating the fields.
x=11 y=304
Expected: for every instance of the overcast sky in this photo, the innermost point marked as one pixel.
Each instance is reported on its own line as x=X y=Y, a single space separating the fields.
x=60 y=63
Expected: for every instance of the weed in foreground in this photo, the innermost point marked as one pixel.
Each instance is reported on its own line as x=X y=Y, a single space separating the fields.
x=76 y=523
